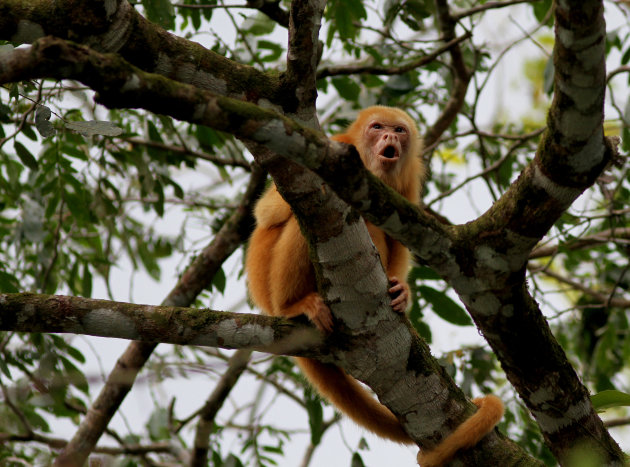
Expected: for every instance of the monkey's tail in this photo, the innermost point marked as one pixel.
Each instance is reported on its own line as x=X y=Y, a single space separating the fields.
x=351 y=398
x=467 y=434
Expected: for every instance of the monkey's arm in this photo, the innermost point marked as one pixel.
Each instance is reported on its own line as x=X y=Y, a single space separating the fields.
x=292 y=279
x=397 y=271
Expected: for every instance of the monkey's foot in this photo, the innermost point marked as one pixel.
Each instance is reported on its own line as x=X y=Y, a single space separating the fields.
x=399 y=291
x=318 y=312
x=313 y=306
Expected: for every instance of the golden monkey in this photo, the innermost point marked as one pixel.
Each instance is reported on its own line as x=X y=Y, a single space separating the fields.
x=282 y=281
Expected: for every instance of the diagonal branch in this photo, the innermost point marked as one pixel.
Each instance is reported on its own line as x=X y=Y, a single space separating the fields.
x=116 y=26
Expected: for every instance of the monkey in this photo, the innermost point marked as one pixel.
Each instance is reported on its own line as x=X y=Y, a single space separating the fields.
x=281 y=278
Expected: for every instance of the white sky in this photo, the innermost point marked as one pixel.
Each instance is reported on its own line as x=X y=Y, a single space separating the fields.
x=502 y=97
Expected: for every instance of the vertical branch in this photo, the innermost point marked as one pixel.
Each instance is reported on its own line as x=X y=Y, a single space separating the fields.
x=197 y=277
x=302 y=57
x=236 y=366
x=461 y=77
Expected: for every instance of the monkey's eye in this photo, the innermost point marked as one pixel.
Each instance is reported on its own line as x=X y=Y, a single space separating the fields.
x=377 y=126
x=400 y=129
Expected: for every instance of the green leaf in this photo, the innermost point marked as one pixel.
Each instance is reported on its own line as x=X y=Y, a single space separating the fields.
x=42 y=123
x=5 y=369
x=8 y=283
x=219 y=280
x=86 y=281
x=344 y=14
x=233 y=461
x=74 y=151
x=25 y=156
x=160 y=12
x=541 y=9
x=610 y=398
x=357 y=461
x=276 y=50
x=148 y=260
x=445 y=307
x=158 y=425
x=423 y=273
x=94 y=127
x=75 y=376
x=315 y=416
x=258 y=25
x=347 y=88
x=399 y=85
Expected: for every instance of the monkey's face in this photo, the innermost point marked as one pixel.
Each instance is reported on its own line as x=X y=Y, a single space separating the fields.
x=386 y=146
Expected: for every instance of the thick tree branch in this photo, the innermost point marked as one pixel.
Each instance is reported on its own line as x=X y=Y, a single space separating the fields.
x=571 y=155
x=116 y=26
x=289 y=139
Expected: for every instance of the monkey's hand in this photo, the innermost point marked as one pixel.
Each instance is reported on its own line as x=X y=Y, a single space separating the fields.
x=399 y=291
x=318 y=312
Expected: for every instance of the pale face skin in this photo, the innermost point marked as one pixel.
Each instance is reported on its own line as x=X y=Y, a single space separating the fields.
x=386 y=142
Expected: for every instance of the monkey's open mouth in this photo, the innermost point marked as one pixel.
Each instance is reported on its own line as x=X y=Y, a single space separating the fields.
x=390 y=152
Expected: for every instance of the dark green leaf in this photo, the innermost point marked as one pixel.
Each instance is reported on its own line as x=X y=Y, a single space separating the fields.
x=423 y=273
x=444 y=306
x=275 y=50
x=610 y=398
x=160 y=12
x=541 y=9
x=219 y=280
x=25 y=156
x=86 y=281
x=347 y=88
x=42 y=123
x=315 y=416
x=8 y=283
x=357 y=461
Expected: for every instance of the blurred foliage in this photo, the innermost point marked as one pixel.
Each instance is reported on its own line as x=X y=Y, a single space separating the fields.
x=88 y=214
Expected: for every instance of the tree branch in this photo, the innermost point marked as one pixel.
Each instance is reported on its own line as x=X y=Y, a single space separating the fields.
x=118 y=27
x=461 y=77
x=27 y=312
x=598 y=238
x=302 y=58
x=196 y=278
x=391 y=70
x=236 y=365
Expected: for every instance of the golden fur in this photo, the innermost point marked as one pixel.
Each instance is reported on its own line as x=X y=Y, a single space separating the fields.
x=282 y=282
